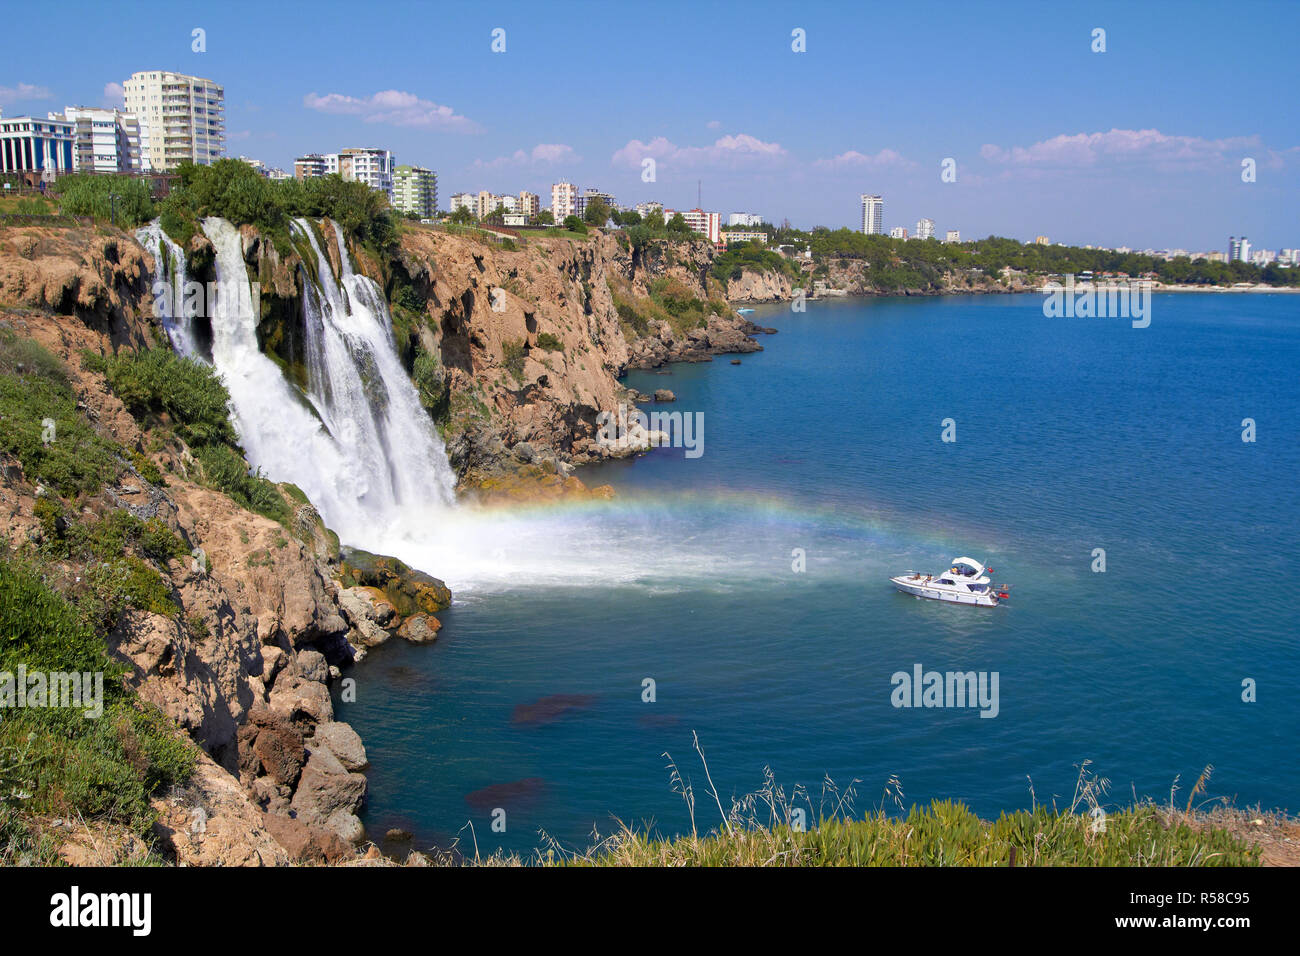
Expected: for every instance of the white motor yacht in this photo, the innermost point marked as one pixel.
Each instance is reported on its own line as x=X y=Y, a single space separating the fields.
x=965 y=582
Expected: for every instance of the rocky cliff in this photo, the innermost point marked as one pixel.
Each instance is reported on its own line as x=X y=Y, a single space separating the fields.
x=255 y=620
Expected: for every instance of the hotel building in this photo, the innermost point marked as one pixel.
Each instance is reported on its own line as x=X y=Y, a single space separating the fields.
x=182 y=118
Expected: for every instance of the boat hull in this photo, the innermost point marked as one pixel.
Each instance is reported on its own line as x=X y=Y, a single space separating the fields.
x=932 y=592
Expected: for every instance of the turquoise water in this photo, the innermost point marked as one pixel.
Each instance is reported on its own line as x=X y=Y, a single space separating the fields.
x=1072 y=434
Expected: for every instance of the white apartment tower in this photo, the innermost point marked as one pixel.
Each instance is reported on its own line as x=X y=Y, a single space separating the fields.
x=873 y=215
x=105 y=141
x=182 y=118
x=564 y=201
x=368 y=165
x=925 y=229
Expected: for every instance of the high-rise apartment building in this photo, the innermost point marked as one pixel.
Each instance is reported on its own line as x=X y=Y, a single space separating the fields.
x=564 y=201
x=954 y=235
x=530 y=204
x=898 y=232
x=744 y=219
x=105 y=140
x=1238 y=249
x=182 y=118
x=366 y=164
x=705 y=223
x=309 y=166
x=925 y=229
x=873 y=215
x=415 y=190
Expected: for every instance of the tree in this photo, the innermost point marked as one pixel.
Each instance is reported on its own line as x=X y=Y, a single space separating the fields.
x=575 y=224
x=596 y=213
x=678 y=224
x=462 y=215
x=545 y=218
x=654 y=219
x=628 y=218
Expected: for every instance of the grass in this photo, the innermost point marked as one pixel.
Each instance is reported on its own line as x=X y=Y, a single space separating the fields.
x=54 y=760
x=41 y=426
x=163 y=389
x=771 y=827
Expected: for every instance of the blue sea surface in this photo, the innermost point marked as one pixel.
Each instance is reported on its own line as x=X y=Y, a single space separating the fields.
x=1071 y=435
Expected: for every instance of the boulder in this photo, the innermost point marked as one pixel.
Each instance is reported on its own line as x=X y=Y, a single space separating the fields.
x=306 y=843
x=326 y=787
x=664 y=395
x=420 y=629
x=343 y=742
x=312 y=666
x=297 y=699
x=281 y=752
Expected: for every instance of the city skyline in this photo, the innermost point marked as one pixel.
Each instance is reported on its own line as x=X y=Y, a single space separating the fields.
x=1088 y=147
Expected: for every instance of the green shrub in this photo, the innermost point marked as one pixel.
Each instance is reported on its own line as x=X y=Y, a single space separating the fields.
x=512 y=352
x=69 y=456
x=101 y=196
x=157 y=382
x=549 y=342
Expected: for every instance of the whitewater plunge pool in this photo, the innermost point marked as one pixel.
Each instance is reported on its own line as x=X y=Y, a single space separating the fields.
x=1072 y=435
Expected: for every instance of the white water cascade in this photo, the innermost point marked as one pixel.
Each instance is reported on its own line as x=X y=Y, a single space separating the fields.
x=358 y=442
x=169 y=288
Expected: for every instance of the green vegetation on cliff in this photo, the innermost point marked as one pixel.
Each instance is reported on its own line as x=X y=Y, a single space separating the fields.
x=57 y=760
x=41 y=426
x=945 y=834
x=160 y=388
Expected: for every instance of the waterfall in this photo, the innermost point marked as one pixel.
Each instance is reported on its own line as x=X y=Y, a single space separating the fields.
x=169 y=287
x=357 y=441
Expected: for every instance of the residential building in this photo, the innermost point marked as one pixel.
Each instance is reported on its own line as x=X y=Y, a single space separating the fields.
x=106 y=140
x=364 y=164
x=309 y=166
x=925 y=229
x=1238 y=249
x=954 y=235
x=898 y=232
x=30 y=144
x=873 y=215
x=705 y=223
x=1042 y=241
x=463 y=201
x=735 y=236
x=530 y=204
x=564 y=201
x=744 y=219
x=182 y=118
x=486 y=203
x=590 y=194
x=646 y=208
x=415 y=190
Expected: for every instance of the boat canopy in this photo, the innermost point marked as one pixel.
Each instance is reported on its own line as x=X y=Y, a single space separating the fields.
x=970 y=563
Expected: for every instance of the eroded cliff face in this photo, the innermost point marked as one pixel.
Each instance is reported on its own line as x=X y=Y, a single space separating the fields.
x=253 y=629
x=527 y=344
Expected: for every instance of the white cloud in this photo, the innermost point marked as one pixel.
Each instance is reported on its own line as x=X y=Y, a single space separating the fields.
x=542 y=154
x=1147 y=146
x=114 y=96
x=729 y=151
x=394 y=107
x=715 y=124
x=24 y=91
x=854 y=160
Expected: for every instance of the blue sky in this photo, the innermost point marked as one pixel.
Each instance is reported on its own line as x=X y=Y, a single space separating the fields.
x=1140 y=145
